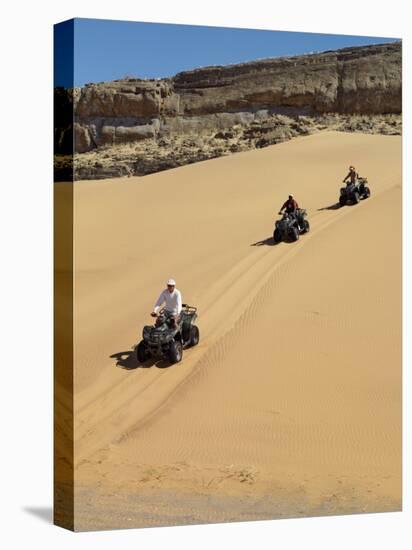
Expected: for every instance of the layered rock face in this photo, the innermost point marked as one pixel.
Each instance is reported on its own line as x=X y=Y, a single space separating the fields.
x=255 y=97
x=354 y=80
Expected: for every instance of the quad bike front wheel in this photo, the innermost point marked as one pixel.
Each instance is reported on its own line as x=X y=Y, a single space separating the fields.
x=366 y=193
x=342 y=200
x=277 y=236
x=356 y=197
x=293 y=234
x=194 y=335
x=305 y=226
x=175 y=352
x=141 y=352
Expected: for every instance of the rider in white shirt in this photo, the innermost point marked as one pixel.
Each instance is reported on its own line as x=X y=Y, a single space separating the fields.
x=171 y=298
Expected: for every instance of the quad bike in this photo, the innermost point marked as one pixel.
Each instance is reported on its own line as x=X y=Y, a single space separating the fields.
x=291 y=226
x=354 y=192
x=168 y=338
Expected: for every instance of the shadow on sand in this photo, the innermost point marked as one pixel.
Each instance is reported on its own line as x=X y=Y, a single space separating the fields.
x=270 y=242
x=128 y=360
x=335 y=206
x=266 y=242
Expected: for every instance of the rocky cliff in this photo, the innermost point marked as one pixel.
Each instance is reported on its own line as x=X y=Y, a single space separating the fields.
x=168 y=122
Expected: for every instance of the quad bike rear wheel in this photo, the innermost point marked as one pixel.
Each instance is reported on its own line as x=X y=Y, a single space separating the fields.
x=186 y=331
x=277 y=236
x=175 y=352
x=194 y=335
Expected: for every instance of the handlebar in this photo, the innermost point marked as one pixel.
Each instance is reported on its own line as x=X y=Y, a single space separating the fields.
x=163 y=311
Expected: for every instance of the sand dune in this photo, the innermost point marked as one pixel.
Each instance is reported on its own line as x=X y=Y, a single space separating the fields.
x=294 y=392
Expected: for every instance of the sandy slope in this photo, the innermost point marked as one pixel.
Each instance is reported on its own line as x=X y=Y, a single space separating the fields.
x=295 y=389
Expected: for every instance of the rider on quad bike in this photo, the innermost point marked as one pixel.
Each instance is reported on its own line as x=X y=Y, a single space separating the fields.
x=352 y=176
x=174 y=329
x=292 y=207
x=356 y=188
x=171 y=297
x=292 y=224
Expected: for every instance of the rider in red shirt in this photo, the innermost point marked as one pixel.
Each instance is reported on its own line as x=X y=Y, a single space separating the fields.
x=290 y=205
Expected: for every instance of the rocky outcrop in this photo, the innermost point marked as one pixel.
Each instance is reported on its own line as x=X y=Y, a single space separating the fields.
x=250 y=97
x=353 y=80
x=153 y=155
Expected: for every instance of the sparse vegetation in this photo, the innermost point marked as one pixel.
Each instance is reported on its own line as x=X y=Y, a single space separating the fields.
x=153 y=155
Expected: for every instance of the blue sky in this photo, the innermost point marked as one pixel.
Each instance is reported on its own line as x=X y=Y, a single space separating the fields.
x=106 y=50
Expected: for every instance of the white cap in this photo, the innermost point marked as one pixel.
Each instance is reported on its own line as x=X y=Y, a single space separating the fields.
x=171 y=282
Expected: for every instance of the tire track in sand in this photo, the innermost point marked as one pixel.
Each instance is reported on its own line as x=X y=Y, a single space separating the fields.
x=225 y=323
